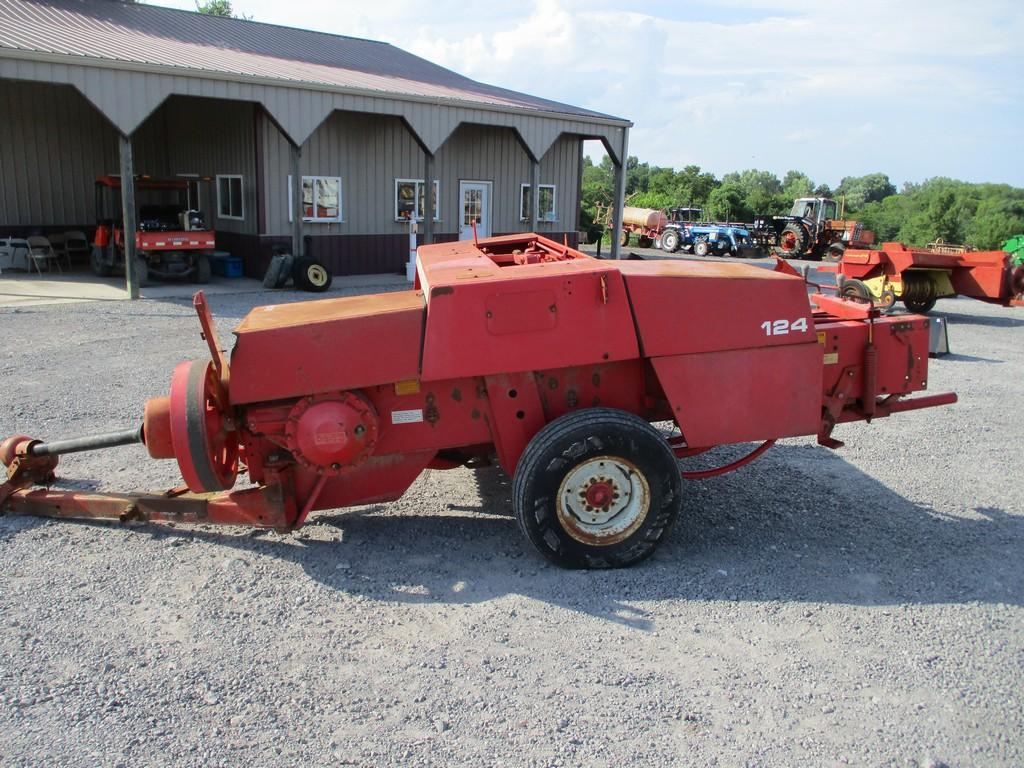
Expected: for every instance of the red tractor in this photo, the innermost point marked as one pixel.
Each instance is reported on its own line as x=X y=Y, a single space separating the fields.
x=172 y=239
x=516 y=347
x=813 y=230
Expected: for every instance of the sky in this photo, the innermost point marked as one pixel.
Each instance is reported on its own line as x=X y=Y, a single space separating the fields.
x=910 y=88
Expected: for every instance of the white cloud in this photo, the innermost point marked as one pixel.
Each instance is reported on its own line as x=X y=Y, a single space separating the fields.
x=914 y=88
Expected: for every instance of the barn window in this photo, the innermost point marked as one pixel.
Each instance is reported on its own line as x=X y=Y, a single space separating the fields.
x=229 y=197
x=547 y=202
x=321 y=198
x=409 y=199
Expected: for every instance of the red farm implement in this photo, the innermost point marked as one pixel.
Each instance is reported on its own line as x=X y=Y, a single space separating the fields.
x=919 y=277
x=516 y=346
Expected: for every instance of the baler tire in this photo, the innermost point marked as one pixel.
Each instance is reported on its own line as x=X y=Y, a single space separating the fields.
x=856 y=290
x=567 y=448
x=920 y=307
x=310 y=275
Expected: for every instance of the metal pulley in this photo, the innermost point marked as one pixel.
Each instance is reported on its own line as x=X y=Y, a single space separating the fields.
x=201 y=427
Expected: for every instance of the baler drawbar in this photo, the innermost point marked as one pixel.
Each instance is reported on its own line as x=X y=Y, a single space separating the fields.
x=516 y=347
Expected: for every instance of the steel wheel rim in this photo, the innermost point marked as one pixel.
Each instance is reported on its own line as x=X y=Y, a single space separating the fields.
x=317 y=275
x=603 y=500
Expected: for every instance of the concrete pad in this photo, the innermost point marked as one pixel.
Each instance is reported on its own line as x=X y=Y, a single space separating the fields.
x=20 y=289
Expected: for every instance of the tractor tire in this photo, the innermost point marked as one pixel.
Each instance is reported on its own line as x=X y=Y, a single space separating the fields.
x=311 y=275
x=597 y=488
x=201 y=270
x=792 y=242
x=856 y=290
x=101 y=267
x=142 y=272
x=701 y=248
x=624 y=238
x=834 y=252
x=670 y=241
x=644 y=242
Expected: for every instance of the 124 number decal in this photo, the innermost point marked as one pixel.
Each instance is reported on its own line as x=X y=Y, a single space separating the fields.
x=782 y=327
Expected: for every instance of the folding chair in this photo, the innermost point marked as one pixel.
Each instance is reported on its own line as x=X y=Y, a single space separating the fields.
x=75 y=242
x=60 y=249
x=41 y=252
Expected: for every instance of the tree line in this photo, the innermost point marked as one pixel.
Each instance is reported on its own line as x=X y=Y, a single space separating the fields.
x=982 y=215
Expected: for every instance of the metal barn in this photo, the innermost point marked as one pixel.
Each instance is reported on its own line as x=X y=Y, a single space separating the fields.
x=300 y=134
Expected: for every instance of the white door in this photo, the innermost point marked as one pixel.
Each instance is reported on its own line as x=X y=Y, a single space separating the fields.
x=475 y=203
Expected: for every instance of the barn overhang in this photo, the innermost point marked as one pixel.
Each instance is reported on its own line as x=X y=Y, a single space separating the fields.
x=127 y=93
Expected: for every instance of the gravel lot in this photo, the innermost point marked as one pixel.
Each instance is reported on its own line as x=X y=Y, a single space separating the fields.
x=860 y=607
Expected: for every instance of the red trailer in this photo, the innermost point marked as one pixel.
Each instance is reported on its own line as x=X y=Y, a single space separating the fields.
x=918 y=276
x=519 y=347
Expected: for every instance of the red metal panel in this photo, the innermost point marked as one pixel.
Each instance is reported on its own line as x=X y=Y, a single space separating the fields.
x=686 y=307
x=484 y=319
x=741 y=395
x=291 y=350
x=442 y=414
x=902 y=343
x=516 y=415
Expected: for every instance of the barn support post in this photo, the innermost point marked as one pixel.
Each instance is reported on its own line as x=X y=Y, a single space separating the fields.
x=534 y=193
x=620 y=194
x=295 y=156
x=128 y=218
x=428 y=198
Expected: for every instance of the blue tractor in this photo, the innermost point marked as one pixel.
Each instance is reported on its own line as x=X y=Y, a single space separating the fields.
x=686 y=230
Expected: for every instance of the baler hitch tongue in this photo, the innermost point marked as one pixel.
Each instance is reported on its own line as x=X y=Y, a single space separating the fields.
x=32 y=462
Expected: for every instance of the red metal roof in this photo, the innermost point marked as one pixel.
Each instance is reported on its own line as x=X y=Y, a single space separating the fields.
x=149 y=36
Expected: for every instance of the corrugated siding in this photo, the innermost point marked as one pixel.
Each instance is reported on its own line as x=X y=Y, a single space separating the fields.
x=483 y=153
x=53 y=145
x=210 y=137
x=369 y=152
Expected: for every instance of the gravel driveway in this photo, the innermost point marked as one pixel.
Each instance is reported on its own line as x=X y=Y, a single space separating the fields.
x=860 y=607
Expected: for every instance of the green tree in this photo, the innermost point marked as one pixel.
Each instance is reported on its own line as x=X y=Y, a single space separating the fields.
x=727 y=203
x=796 y=184
x=220 y=8
x=861 y=190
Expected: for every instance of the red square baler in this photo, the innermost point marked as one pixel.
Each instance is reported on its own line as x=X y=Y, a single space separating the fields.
x=516 y=347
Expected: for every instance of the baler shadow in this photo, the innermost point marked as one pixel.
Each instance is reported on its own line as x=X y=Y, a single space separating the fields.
x=953 y=357
x=958 y=318
x=799 y=525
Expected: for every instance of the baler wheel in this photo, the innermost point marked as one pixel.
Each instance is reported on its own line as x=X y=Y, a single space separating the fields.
x=597 y=488
x=205 y=442
x=856 y=290
x=920 y=306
